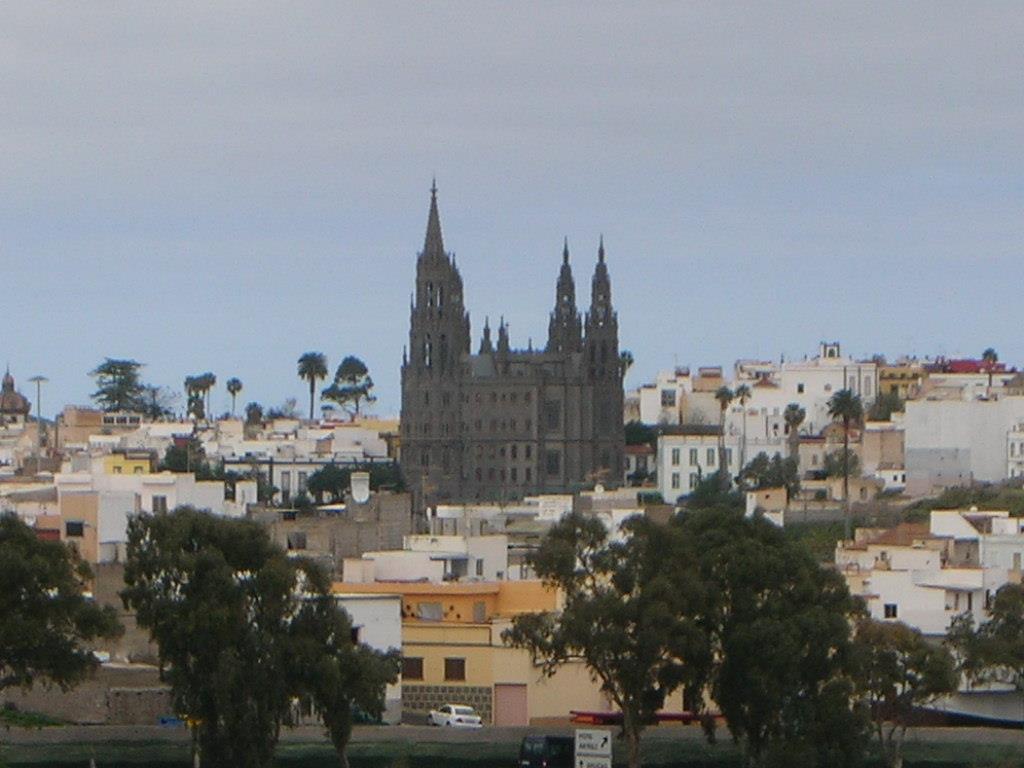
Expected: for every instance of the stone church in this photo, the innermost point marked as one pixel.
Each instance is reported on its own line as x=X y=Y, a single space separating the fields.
x=506 y=423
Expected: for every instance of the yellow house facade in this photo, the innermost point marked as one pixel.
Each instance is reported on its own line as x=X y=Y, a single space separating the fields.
x=128 y=463
x=453 y=652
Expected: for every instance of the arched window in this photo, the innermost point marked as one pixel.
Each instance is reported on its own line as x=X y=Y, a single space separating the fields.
x=430 y=294
x=428 y=352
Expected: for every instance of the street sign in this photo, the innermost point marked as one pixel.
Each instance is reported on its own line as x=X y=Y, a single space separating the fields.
x=593 y=748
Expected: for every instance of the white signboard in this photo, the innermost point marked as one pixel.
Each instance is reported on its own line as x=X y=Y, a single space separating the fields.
x=593 y=748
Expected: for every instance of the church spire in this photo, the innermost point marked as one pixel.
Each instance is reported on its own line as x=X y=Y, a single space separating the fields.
x=433 y=244
x=485 y=343
x=564 y=328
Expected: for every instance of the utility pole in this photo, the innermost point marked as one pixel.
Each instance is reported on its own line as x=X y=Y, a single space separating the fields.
x=39 y=381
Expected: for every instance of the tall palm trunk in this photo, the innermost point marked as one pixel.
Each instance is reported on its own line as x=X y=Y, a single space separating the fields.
x=846 y=479
x=312 y=395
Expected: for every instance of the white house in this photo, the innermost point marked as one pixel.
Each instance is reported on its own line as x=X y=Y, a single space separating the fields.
x=926 y=574
x=377 y=622
x=687 y=455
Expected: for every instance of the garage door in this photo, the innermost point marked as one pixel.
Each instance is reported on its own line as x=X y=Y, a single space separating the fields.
x=510 y=704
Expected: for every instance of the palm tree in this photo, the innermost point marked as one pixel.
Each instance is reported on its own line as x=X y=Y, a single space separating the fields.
x=846 y=407
x=990 y=357
x=724 y=396
x=312 y=368
x=742 y=395
x=234 y=386
x=626 y=360
x=794 y=416
x=207 y=382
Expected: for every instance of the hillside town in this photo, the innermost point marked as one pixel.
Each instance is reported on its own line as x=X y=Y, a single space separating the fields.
x=428 y=524
x=474 y=385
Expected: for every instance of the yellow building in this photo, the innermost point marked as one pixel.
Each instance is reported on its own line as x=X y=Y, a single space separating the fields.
x=453 y=652
x=905 y=379
x=129 y=463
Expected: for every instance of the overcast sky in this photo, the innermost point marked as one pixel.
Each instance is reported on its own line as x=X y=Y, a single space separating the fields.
x=223 y=188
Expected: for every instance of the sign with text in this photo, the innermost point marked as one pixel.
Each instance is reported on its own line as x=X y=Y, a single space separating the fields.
x=593 y=761
x=593 y=743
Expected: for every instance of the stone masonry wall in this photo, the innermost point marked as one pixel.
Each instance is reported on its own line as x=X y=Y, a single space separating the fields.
x=423 y=698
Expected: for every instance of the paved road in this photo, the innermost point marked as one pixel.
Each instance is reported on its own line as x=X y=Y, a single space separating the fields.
x=418 y=734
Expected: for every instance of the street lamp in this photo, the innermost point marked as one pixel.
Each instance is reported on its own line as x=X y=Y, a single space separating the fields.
x=39 y=381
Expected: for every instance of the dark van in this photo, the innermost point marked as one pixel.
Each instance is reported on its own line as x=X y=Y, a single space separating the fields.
x=546 y=752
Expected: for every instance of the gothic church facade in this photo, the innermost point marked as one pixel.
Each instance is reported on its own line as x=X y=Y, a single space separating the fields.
x=506 y=423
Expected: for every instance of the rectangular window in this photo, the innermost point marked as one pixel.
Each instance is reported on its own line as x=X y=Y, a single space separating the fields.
x=479 y=567
x=302 y=481
x=675 y=457
x=694 y=480
x=159 y=504
x=454 y=669
x=552 y=415
x=297 y=540
x=890 y=610
x=693 y=457
x=429 y=611
x=480 y=612
x=553 y=462
x=529 y=474
x=668 y=398
x=412 y=668
x=286 y=482
x=675 y=481
x=711 y=457
x=728 y=457
x=800 y=389
x=74 y=528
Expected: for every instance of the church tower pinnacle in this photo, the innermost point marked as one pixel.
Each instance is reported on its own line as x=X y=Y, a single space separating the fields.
x=565 y=327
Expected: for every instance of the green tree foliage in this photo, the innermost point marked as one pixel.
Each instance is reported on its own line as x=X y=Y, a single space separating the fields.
x=118 y=386
x=715 y=603
x=312 y=367
x=46 y=623
x=237 y=624
x=352 y=386
x=994 y=651
x=629 y=614
x=197 y=391
x=157 y=402
x=898 y=671
x=836 y=464
x=190 y=457
x=885 y=406
x=990 y=357
x=638 y=433
x=775 y=472
x=712 y=493
x=332 y=481
x=338 y=676
x=626 y=361
x=253 y=415
x=234 y=386
x=781 y=634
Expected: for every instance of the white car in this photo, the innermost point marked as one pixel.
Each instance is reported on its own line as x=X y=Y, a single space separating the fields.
x=455 y=716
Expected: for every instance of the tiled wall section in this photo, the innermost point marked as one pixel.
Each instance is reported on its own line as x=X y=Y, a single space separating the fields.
x=423 y=698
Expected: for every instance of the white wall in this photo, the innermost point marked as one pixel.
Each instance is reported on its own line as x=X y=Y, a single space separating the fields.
x=379 y=619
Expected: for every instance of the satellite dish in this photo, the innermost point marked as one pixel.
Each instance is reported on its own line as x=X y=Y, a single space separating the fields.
x=598 y=488
x=360 y=487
